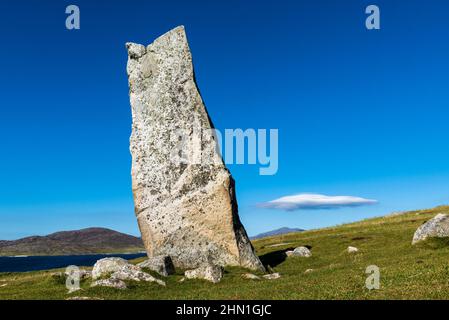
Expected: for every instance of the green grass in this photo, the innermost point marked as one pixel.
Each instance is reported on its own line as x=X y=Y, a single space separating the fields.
x=407 y=272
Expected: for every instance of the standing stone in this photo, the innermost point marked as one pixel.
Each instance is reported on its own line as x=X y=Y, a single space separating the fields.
x=184 y=195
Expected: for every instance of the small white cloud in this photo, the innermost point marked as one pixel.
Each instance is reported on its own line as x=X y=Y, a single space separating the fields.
x=315 y=201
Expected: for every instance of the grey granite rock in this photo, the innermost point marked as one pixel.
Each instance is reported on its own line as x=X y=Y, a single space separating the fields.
x=107 y=265
x=160 y=264
x=300 y=252
x=209 y=272
x=130 y=272
x=272 y=276
x=184 y=195
x=111 y=282
x=351 y=249
x=250 y=276
x=437 y=227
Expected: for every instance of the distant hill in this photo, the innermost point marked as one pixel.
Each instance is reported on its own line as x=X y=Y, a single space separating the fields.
x=85 y=241
x=276 y=232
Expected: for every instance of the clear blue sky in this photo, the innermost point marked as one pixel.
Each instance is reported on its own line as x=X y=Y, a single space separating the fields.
x=360 y=113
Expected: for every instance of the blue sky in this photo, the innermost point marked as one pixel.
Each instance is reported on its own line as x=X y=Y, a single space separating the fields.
x=360 y=113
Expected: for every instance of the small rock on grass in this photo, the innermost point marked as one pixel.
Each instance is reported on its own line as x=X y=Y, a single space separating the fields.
x=250 y=276
x=352 y=249
x=299 y=252
x=108 y=265
x=160 y=264
x=129 y=272
x=308 y=271
x=209 y=272
x=112 y=283
x=272 y=276
x=437 y=227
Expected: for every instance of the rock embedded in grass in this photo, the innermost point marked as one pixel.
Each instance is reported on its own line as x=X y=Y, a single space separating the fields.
x=111 y=282
x=108 y=265
x=437 y=227
x=299 y=252
x=308 y=271
x=131 y=272
x=250 y=276
x=272 y=276
x=209 y=272
x=352 y=249
x=160 y=264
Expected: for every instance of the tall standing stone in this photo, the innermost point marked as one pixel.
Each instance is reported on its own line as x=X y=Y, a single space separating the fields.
x=185 y=209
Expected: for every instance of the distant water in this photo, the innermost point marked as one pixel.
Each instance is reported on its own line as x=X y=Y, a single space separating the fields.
x=33 y=263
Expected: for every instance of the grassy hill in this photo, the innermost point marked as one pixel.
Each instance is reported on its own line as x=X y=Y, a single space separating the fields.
x=407 y=272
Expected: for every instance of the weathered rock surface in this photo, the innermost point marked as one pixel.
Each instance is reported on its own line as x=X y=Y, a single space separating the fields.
x=272 y=276
x=352 y=249
x=130 y=272
x=120 y=269
x=186 y=209
x=111 y=282
x=300 y=252
x=437 y=227
x=108 y=265
x=209 y=272
x=160 y=264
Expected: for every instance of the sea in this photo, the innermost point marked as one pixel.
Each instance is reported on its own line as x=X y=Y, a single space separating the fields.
x=34 y=263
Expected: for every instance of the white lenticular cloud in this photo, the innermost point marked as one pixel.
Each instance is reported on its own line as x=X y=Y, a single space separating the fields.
x=315 y=201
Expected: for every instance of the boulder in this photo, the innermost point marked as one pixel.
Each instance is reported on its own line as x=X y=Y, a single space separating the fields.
x=272 y=276
x=111 y=282
x=209 y=272
x=108 y=265
x=184 y=195
x=301 y=252
x=352 y=249
x=437 y=227
x=160 y=264
x=130 y=272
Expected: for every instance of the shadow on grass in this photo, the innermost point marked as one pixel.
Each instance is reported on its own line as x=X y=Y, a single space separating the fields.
x=433 y=243
x=274 y=258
